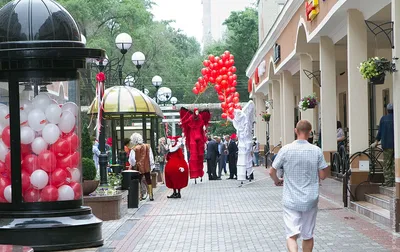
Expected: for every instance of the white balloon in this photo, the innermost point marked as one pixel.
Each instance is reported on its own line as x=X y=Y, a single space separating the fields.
x=4 y=116
x=71 y=107
x=27 y=135
x=41 y=101
x=53 y=113
x=37 y=119
x=39 y=145
x=65 y=192
x=7 y=194
x=39 y=179
x=51 y=133
x=67 y=122
x=75 y=174
x=23 y=117
x=3 y=151
x=26 y=105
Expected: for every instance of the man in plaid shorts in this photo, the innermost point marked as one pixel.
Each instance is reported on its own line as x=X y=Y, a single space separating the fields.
x=303 y=165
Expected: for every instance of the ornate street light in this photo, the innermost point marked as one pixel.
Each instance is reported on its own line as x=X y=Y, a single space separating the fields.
x=123 y=42
x=174 y=101
x=129 y=81
x=156 y=81
x=138 y=59
x=164 y=94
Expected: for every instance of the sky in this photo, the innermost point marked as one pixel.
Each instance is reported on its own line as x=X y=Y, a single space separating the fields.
x=188 y=15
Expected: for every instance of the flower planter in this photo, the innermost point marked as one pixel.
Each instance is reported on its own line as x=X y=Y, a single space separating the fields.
x=311 y=106
x=90 y=186
x=378 y=80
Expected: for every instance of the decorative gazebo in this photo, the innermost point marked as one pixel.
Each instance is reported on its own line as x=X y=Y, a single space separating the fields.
x=124 y=102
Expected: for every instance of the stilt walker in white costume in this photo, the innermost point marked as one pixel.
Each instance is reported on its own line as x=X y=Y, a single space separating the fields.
x=243 y=123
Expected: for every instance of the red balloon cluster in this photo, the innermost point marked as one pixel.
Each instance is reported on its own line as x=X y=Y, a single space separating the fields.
x=220 y=71
x=49 y=176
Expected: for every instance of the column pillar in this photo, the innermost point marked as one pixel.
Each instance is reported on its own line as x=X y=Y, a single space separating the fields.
x=396 y=110
x=357 y=86
x=328 y=96
x=260 y=127
x=306 y=86
x=288 y=108
x=271 y=111
x=277 y=112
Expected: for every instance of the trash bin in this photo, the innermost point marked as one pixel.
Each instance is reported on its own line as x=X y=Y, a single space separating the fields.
x=130 y=182
x=116 y=168
x=154 y=179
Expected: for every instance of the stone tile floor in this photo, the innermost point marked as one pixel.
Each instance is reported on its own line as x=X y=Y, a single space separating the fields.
x=220 y=216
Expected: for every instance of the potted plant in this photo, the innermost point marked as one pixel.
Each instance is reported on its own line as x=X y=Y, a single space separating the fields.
x=266 y=116
x=308 y=102
x=375 y=69
x=89 y=174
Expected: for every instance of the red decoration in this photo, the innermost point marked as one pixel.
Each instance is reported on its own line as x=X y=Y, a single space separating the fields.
x=47 y=161
x=49 y=193
x=101 y=77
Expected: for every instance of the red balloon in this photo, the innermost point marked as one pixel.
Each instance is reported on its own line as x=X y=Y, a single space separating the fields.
x=203 y=71
x=5 y=136
x=197 y=85
x=231 y=116
x=70 y=161
x=234 y=83
x=77 y=190
x=2 y=199
x=224 y=116
x=231 y=57
x=73 y=142
x=229 y=99
x=236 y=100
x=30 y=163
x=220 y=63
x=58 y=177
x=231 y=110
x=211 y=58
x=217 y=88
x=212 y=80
x=221 y=98
x=5 y=170
x=26 y=149
x=236 y=94
x=227 y=52
x=217 y=59
x=234 y=76
x=32 y=195
x=8 y=160
x=25 y=180
x=214 y=74
x=200 y=80
x=4 y=182
x=233 y=89
x=195 y=91
x=49 y=193
x=224 y=84
x=233 y=69
x=206 y=63
x=61 y=147
x=47 y=160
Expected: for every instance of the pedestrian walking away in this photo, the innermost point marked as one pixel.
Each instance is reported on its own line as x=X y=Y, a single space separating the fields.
x=303 y=165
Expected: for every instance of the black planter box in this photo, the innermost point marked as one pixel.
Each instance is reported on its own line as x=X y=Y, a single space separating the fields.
x=377 y=80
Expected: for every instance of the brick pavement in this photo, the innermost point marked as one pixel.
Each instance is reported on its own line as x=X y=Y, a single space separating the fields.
x=220 y=216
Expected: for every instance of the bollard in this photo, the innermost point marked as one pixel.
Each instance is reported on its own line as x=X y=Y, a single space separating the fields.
x=116 y=168
x=130 y=182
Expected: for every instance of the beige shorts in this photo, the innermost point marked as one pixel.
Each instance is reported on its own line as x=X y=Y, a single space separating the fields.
x=300 y=223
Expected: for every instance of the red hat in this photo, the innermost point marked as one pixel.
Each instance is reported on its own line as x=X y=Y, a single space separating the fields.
x=233 y=136
x=195 y=109
x=109 y=141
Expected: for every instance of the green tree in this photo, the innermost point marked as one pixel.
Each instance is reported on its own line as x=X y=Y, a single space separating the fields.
x=222 y=128
x=242 y=42
x=86 y=143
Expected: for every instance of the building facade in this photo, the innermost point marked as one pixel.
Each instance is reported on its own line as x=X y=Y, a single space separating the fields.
x=316 y=47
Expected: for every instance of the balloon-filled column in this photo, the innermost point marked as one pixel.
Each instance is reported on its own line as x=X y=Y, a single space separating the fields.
x=219 y=71
x=50 y=156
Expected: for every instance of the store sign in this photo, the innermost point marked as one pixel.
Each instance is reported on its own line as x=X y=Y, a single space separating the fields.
x=312 y=9
x=277 y=53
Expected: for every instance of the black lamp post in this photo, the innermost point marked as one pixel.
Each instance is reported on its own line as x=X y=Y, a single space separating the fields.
x=40 y=43
x=113 y=69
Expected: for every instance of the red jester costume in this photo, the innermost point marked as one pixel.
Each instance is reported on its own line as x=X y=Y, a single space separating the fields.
x=194 y=125
x=176 y=169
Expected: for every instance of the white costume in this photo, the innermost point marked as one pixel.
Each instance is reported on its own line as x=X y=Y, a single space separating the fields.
x=243 y=123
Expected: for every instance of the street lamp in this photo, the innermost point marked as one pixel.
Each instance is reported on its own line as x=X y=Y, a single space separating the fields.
x=129 y=81
x=174 y=101
x=164 y=94
x=157 y=81
x=138 y=59
x=123 y=42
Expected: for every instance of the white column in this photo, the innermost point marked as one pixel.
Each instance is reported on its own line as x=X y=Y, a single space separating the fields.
x=282 y=105
x=277 y=112
x=288 y=112
x=271 y=111
x=328 y=94
x=306 y=85
x=173 y=126
x=260 y=127
x=396 y=101
x=357 y=86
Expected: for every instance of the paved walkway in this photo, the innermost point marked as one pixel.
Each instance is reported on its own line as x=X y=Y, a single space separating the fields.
x=220 y=216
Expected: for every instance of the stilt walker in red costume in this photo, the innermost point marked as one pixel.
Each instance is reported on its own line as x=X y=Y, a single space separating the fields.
x=194 y=126
x=176 y=169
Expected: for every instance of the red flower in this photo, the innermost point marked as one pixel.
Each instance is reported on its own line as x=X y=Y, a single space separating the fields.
x=101 y=77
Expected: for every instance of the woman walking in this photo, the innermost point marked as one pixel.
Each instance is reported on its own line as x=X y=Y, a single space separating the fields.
x=162 y=151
